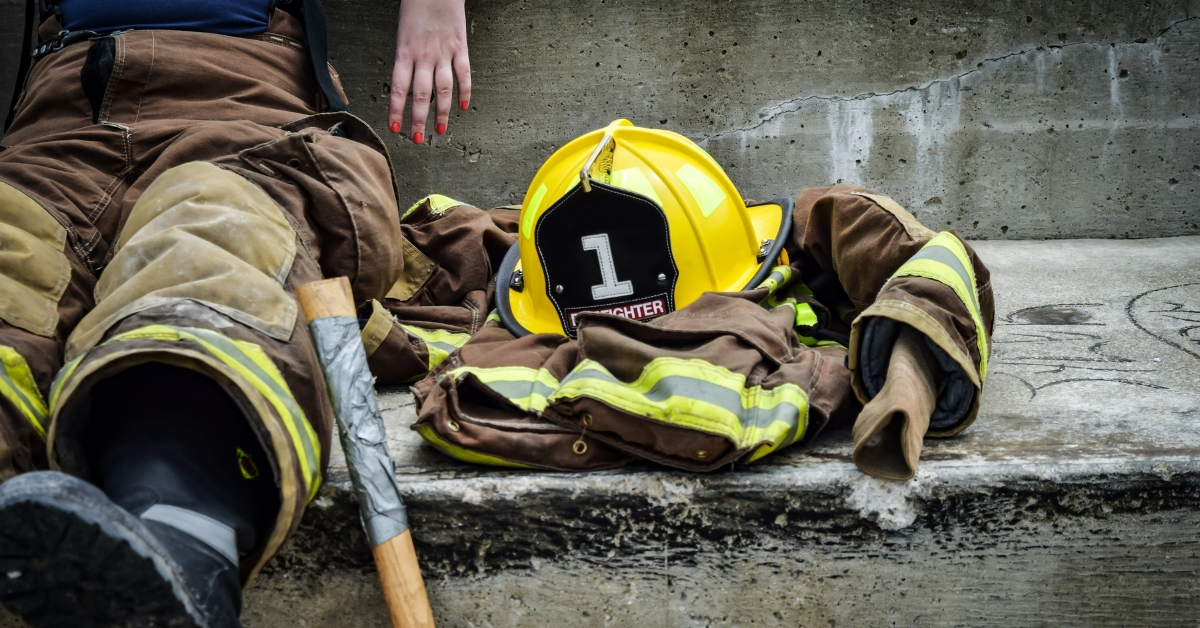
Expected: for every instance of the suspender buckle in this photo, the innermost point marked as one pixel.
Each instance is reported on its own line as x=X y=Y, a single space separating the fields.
x=63 y=39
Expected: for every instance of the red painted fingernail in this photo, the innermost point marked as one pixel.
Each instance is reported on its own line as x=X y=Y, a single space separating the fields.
x=395 y=127
x=418 y=138
x=441 y=128
x=463 y=105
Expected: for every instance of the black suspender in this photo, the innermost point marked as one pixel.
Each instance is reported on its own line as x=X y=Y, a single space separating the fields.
x=316 y=34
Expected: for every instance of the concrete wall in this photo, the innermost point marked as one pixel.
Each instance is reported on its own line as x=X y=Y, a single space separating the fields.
x=998 y=118
x=1001 y=118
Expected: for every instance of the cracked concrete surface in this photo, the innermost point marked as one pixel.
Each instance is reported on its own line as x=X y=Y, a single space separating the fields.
x=769 y=113
x=1072 y=501
x=1003 y=120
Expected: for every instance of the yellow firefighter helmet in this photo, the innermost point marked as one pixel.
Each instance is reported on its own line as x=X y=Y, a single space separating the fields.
x=636 y=223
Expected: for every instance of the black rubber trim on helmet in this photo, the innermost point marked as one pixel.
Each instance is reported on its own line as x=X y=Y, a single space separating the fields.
x=509 y=264
x=503 y=279
x=785 y=231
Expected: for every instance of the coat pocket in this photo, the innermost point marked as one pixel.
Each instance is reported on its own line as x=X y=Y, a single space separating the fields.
x=346 y=176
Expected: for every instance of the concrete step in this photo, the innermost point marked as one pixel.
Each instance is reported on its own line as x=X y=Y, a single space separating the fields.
x=1074 y=500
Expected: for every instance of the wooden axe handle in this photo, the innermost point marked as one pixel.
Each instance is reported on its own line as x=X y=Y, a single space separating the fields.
x=403 y=588
x=329 y=297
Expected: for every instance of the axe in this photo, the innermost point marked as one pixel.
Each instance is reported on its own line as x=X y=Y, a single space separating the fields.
x=329 y=309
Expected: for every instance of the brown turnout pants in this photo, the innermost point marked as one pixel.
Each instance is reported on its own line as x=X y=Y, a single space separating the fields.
x=168 y=217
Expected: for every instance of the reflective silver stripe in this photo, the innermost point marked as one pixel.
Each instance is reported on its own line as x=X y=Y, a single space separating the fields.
x=692 y=388
x=943 y=255
x=444 y=346
x=211 y=532
x=520 y=390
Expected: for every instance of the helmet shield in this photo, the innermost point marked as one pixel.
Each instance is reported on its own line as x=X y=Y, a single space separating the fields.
x=608 y=251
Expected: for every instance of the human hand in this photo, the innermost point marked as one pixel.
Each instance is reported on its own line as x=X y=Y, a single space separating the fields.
x=431 y=50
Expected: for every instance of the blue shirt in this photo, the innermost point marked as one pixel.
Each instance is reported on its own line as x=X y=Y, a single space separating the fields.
x=223 y=17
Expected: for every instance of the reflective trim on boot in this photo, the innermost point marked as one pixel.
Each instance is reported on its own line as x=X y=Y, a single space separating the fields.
x=218 y=536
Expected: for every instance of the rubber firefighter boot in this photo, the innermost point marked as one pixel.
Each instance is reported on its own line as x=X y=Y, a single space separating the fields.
x=178 y=500
x=889 y=431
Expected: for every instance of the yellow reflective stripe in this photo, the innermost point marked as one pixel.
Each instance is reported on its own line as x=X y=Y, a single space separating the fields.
x=63 y=375
x=439 y=342
x=780 y=276
x=267 y=380
x=18 y=386
x=530 y=211
x=698 y=395
x=438 y=204
x=805 y=317
x=944 y=259
x=492 y=316
x=634 y=180
x=454 y=451
x=253 y=364
x=527 y=388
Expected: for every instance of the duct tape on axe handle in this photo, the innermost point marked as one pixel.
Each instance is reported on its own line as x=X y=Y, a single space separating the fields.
x=364 y=439
x=328 y=306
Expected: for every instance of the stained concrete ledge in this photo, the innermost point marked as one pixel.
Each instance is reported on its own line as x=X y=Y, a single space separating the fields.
x=1073 y=501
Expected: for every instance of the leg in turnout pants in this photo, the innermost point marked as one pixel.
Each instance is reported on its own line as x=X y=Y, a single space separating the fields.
x=151 y=348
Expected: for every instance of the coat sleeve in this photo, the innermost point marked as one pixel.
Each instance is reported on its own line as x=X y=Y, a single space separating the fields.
x=878 y=268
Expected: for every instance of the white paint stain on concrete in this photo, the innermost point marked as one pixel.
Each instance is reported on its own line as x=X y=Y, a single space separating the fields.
x=932 y=117
x=1039 y=63
x=890 y=505
x=1114 y=98
x=850 y=132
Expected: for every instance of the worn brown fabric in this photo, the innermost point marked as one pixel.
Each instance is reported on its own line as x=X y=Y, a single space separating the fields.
x=845 y=245
x=888 y=431
x=225 y=107
x=463 y=247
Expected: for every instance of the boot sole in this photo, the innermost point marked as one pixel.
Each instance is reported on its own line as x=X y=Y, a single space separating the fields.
x=69 y=557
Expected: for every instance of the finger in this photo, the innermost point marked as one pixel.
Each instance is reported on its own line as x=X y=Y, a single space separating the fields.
x=462 y=71
x=443 y=78
x=422 y=89
x=401 y=77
